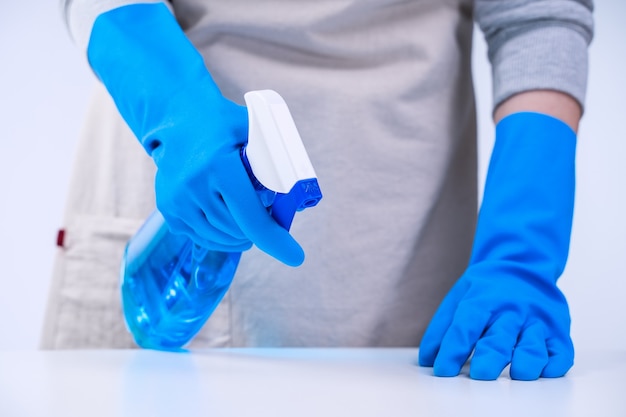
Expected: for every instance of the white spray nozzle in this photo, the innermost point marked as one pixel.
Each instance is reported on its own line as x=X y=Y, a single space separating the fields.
x=275 y=151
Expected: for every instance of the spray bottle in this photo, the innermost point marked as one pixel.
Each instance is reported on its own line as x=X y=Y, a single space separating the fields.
x=169 y=285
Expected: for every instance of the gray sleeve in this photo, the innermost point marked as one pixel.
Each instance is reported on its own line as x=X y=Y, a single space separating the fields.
x=79 y=15
x=537 y=44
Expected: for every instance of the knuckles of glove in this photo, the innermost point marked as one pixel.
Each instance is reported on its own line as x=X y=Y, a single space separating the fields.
x=498 y=317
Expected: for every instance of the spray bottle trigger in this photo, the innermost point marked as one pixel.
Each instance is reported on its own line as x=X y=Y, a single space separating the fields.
x=283 y=206
x=304 y=194
x=275 y=158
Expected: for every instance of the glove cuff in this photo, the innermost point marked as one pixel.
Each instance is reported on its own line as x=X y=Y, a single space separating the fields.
x=144 y=59
x=527 y=209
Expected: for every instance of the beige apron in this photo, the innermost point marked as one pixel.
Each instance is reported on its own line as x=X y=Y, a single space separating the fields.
x=381 y=92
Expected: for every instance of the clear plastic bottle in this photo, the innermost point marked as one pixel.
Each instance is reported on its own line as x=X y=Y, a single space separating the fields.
x=169 y=285
x=169 y=295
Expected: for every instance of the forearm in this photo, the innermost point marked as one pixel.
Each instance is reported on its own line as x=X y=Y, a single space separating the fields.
x=553 y=103
x=538 y=52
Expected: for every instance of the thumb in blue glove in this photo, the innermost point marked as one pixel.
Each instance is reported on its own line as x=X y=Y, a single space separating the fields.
x=166 y=95
x=506 y=307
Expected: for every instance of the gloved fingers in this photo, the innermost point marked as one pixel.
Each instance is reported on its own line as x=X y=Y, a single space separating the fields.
x=530 y=355
x=494 y=349
x=439 y=324
x=209 y=232
x=212 y=241
x=234 y=247
x=218 y=219
x=560 y=357
x=457 y=344
x=253 y=219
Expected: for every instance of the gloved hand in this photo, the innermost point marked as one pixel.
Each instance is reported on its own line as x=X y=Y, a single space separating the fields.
x=506 y=307
x=166 y=95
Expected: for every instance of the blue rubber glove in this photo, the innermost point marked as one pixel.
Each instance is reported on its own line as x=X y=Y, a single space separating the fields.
x=506 y=307
x=165 y=93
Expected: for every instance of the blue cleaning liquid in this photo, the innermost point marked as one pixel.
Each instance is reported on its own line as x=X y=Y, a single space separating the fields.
x=169 y=295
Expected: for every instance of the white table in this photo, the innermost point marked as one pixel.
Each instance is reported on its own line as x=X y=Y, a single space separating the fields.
x=293 y=383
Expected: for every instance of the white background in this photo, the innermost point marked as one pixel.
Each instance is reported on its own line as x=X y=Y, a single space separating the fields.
x=45 y=85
